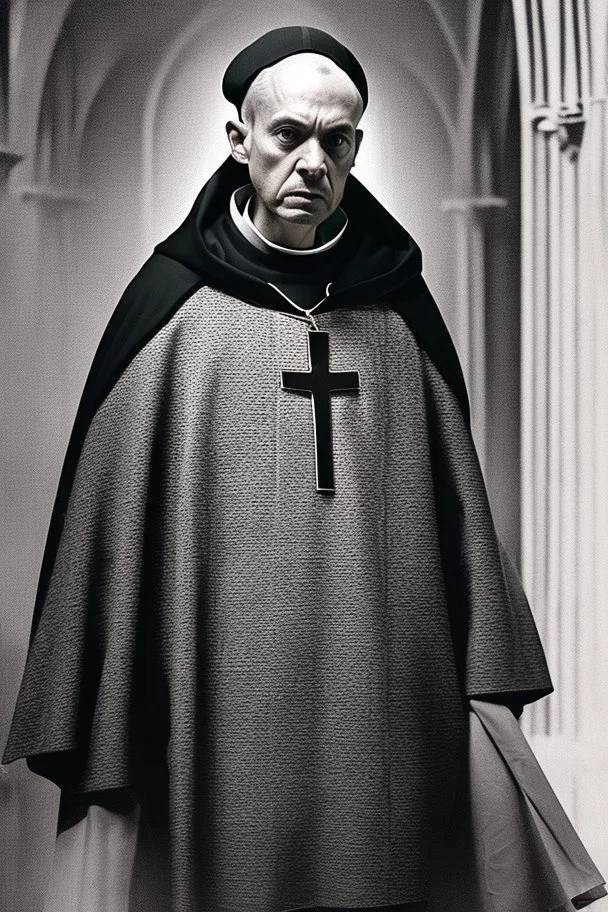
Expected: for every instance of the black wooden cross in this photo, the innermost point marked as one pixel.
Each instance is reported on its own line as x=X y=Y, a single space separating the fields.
x=319 y=382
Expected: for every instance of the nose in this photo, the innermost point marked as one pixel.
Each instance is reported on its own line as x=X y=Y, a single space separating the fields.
x=312 y=160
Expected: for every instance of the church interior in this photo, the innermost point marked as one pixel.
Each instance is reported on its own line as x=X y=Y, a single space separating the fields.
x=486 y=136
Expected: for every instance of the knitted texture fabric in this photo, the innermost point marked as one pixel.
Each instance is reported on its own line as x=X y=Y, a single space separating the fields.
x=279 y=674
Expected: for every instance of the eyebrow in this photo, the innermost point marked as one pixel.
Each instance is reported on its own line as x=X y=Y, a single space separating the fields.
x=285 y=117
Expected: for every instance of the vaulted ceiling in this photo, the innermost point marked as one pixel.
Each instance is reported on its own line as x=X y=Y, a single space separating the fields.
x=64 y=52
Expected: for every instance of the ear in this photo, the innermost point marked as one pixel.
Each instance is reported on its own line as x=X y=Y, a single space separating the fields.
x=358 y=138
x=237 y=133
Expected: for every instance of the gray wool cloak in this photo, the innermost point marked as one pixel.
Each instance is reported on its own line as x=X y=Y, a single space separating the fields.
x=279 y=677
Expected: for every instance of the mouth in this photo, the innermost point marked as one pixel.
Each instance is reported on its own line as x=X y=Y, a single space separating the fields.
x=304 y=194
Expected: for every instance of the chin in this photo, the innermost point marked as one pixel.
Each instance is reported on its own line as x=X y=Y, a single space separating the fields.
x=300 y=216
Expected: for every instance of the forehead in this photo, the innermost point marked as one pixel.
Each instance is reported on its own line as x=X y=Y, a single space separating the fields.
x=308 y=83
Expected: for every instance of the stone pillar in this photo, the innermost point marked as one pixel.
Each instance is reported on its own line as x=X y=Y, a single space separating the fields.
x=8 y=158
x=564 y=391
x=10 y=804
x=51 y=287
x=469 y=215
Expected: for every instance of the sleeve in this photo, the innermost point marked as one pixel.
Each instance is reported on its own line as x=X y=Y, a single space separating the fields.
x=499 y=651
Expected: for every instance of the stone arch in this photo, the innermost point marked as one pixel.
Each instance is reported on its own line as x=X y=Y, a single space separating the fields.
x=174 y=50
x=448 y=35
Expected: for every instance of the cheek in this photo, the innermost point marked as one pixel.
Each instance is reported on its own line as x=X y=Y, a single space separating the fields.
x=278 y=168
x=268 y=161
x=338 y=174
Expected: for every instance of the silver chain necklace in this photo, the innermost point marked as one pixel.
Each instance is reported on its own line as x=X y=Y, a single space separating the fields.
x=308 y=312
x=318 y=382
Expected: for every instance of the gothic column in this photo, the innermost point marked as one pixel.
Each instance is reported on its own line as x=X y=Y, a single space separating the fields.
x=40 y=210
x=50 y=319
x=10 y=804
x=564 y=389
x=8 y=157
x=468 y=233
x=51 y=200
x=470 y=213
x=484 y=93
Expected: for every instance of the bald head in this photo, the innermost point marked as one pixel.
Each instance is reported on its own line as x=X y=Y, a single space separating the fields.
x=304 y=74
x=299 y=138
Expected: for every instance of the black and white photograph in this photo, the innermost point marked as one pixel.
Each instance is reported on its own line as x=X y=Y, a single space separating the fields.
x=304 y=456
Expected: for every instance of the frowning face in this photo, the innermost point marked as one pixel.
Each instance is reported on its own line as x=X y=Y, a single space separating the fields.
x=299 y=138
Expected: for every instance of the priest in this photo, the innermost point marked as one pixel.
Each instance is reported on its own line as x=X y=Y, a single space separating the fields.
x=271 y=584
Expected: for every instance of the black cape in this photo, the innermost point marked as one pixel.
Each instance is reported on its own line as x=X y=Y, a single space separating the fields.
x=389 y=264
x=87 y=737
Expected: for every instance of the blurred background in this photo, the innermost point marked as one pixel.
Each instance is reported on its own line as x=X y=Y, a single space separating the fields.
x=486 y=136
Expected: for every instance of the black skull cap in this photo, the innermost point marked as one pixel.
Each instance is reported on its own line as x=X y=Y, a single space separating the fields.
x=283 y=42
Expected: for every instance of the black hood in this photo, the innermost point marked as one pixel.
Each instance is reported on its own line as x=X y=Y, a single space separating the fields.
x=384 y=256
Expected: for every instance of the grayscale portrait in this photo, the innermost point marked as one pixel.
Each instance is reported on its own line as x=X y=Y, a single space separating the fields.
x=304 y=431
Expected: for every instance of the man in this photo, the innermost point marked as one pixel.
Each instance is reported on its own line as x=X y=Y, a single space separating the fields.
x=272 y=581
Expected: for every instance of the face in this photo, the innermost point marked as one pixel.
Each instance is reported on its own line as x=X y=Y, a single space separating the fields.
x=300 y=143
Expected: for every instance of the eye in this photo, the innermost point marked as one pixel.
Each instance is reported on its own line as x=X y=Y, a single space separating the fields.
x=338 y=141
x=287 y=134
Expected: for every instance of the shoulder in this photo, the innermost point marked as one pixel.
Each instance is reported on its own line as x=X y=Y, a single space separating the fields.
x=160 y=284
x=149 y=300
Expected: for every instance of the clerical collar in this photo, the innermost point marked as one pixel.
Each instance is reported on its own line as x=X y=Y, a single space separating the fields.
x=240 y=202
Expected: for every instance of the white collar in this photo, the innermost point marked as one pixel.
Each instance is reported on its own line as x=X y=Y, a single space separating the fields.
x=244 y=195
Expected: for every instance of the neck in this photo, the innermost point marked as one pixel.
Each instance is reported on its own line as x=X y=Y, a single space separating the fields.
x=278 y=231
x=327 y=235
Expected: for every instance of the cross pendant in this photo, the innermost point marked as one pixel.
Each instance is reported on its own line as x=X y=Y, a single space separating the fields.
x=319 y=382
